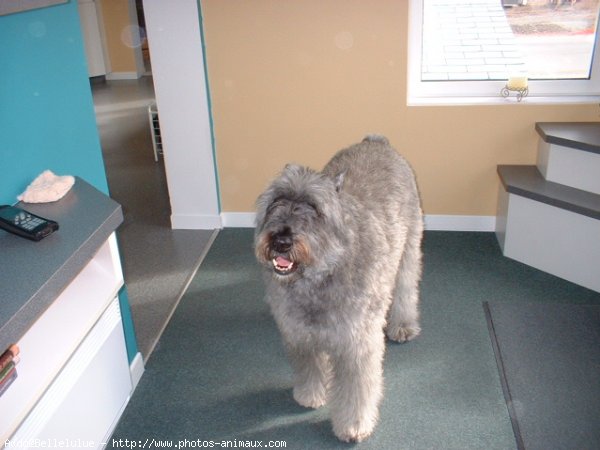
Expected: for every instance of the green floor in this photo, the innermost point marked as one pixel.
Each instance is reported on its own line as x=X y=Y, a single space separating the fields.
x=219 y=372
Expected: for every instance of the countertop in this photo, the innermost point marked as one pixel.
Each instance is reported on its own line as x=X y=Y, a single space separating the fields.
x=34 y=273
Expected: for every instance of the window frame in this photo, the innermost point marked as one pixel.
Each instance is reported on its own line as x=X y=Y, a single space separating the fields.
x=488 y=91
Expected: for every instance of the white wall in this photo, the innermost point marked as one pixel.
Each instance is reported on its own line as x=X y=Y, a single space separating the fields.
x=175 y=43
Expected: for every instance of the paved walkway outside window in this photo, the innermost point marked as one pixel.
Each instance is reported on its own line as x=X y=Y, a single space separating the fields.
x=468 y=40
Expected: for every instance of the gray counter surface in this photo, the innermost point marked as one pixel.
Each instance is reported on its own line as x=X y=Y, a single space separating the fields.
x=33 y=274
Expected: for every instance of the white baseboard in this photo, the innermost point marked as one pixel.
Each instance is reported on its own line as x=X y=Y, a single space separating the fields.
x=196 y=222
x=238 y=220
x=136 y=369
x=435 y=222
x=432 y=222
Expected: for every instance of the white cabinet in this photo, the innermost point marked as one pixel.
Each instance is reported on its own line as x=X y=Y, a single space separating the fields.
x=74 y=379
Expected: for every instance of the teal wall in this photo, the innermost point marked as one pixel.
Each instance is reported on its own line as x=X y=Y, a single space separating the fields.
x=46 y=108
x=47 y=118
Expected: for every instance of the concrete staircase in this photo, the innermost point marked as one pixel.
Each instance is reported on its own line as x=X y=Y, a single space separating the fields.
x=549 y=214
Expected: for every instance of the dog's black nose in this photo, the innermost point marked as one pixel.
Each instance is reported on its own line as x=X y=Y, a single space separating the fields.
x=282 y=243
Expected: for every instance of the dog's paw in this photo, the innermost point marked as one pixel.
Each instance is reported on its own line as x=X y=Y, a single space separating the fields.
x=402 y=333
x=309 y=399
x=356 y=426
x=353 y=434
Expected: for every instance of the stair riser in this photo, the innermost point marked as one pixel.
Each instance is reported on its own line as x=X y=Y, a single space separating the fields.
x=571 y=167
x=551 y=239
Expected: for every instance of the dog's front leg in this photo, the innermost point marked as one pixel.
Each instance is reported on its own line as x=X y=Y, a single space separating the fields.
x=311 y=376
x=357 y=387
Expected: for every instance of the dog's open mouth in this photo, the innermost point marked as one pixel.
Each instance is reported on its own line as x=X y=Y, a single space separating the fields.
x=283 y=266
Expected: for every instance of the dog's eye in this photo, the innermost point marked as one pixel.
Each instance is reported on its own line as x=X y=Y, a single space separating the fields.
x=306 y=209
x=314 y=208
x=278 y=202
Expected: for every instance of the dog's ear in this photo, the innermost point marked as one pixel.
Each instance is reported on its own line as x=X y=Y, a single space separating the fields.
x=338 y=180
x=292 y=168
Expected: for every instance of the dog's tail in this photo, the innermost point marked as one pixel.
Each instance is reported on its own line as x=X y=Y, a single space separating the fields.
x=376 y=138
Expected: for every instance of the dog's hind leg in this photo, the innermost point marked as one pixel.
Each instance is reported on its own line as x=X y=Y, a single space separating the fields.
x=312 y=373
x=403 y=315
x=357 y=387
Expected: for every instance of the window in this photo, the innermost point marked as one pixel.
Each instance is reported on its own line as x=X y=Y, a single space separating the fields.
x=464 y=51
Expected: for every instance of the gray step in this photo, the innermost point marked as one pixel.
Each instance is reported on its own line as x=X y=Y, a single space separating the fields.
x=569 y=154
x=527 y=181
x=549 y=226
x=576 y=135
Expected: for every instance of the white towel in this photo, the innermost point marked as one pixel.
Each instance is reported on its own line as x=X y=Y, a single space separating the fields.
x=47 y=187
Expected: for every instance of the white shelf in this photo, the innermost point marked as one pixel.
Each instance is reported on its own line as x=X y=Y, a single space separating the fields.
x=55 y=336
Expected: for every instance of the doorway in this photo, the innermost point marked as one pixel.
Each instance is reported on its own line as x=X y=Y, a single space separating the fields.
x=158 y=261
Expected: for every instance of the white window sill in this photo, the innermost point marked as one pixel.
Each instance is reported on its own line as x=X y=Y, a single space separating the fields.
x=511 y=100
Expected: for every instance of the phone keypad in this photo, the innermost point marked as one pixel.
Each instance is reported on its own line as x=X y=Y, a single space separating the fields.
x=27 y=221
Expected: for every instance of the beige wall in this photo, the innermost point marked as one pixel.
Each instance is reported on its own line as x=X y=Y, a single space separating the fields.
x=117 y=23
x=298 y=80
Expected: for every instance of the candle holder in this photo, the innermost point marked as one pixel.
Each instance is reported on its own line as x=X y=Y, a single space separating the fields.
x=521 y=92
x=518 y=84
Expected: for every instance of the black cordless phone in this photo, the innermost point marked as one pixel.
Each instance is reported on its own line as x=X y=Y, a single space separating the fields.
x=23 y=223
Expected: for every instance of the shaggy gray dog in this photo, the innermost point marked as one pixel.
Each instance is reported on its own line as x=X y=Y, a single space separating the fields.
x=341 y=251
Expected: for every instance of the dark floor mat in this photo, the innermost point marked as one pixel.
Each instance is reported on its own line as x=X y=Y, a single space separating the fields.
x=548 y=356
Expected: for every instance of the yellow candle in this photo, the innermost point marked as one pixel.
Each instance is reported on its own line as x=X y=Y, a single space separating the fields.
x=517 y=83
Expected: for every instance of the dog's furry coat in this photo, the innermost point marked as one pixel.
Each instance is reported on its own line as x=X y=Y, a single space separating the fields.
x=341 y=251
